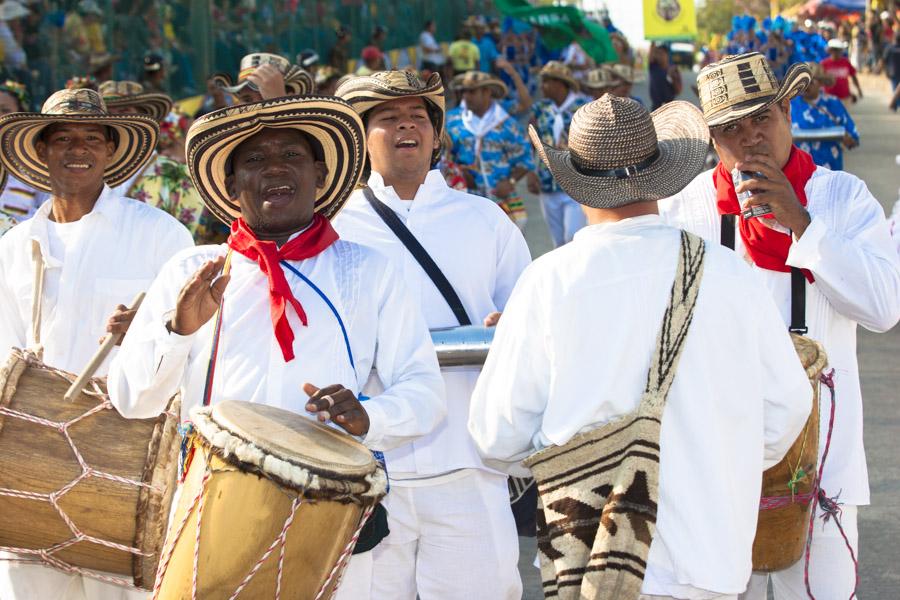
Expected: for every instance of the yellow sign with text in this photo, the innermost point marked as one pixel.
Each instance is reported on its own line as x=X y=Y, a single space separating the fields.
x=673 y=20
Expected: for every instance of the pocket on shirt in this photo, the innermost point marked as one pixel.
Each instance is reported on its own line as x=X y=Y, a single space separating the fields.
x=109 y=293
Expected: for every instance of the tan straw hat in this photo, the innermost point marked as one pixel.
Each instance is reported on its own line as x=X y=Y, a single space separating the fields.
x=557 y=70
x=135 y=137
x=601 y=78
x=473 y=80
x=739 y=86
x=329 y=122
x=130 y=93
x=297 y=81
x=365 y=93
x=625 y=73
x=820 y=74
x=619 y=153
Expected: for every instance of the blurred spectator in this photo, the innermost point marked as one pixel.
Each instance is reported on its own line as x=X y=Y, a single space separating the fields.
x=372 y=59
x=464 y=54
x=576 y=58
x=11 y=14
x=432 y=56
x=214 y=99
x=18 y=200
x=842 y=71
x=815 y=109
x=339 y=55
x=378 y=39
x=665 y=80
x=487 y=49
x=891 y=61
x=327 y=78
x=154 y=79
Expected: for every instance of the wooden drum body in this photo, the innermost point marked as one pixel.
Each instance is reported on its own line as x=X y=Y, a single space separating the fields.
x=785 y=509
x=111 y=478
x=272 y=501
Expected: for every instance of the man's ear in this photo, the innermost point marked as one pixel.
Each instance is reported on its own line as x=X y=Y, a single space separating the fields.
x=231 y=189
x=41 y=149
x=110 y=148
x=321 y=174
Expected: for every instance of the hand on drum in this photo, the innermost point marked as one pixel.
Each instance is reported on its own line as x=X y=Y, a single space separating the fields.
x=199 y=298
x=119 y=322
x=492 y=319
x=338 y=404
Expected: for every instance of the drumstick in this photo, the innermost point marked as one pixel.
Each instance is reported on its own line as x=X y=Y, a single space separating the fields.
x=103 y=351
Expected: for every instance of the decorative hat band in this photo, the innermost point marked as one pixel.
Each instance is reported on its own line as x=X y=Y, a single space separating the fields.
x=745 y=81
x=619 y=172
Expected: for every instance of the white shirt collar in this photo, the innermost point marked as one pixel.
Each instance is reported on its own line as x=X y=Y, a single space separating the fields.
x=109 y=205
x=641 y=222
x=431 y=189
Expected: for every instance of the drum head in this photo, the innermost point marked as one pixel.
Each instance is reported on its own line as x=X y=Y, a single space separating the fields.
x=294 y=438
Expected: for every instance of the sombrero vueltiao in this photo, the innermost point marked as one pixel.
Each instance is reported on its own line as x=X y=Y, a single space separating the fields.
x=601 y=78
x=329 y=121
x=130 y=93
x=297 y=81
x=135 y=137
x=365 y=93
x=555 y=69
x=740 y=86
x=472 y=80
x=619 y=154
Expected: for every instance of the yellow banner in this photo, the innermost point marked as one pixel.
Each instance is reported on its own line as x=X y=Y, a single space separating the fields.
x=670 y=20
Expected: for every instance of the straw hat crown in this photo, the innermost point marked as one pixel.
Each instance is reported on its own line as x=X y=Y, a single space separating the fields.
x=472 y=80
x=598 y=132
x=131 y=93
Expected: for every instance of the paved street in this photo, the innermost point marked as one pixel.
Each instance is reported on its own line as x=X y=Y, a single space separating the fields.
x=879 y=357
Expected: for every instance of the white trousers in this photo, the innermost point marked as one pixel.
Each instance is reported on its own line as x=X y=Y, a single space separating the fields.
x=356 y=584
x=563 y=215
x=831 y=571
x=449 y=540
x=20 y=581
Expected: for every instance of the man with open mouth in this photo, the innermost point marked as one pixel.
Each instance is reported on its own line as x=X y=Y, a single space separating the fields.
x=304 y=317
x=96 y=249
x=448 y=513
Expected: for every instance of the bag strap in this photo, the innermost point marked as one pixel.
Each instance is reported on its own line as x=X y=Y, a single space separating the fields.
x=420 y=254
x=37 y=291
x=798 y=281
x=676 y=321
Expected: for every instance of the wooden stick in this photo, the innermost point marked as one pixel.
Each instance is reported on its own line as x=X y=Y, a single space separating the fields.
x=102 y=352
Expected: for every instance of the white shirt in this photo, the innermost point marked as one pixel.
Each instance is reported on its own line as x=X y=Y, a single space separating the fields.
x=481 y=252
x=848 y=249
x=20 y=199
x=572 y=352
x=426 y=41
x=384 y=329
x=100 y=261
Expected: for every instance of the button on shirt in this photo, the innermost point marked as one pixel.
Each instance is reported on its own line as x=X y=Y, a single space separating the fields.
x=385 y=331
x=481 y=252
x=848 y=249
x=572 y=352
x=92 y=265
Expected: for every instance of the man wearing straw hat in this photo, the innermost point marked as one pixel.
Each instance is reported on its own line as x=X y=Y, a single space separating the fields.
x=96 y=250
x=823 y=249
x=490 y=145
x=572 y=355
x=305 y=316
x=452 y=531
x=551 y=117
x=598 y=81
x=263 y=76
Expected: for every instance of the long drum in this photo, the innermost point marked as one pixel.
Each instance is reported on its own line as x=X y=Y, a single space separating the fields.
x=272 y=501
x=77 y=480
x=789 y=486
x=462 y=346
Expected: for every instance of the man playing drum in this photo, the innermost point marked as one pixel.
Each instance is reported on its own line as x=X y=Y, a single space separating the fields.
x=826 y=256
x=587 y=340
x=97 y=251
x=298 y=304
x=448 y=513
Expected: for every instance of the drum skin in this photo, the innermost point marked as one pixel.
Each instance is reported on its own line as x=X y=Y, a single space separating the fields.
x=781 y=532
x=36 y=458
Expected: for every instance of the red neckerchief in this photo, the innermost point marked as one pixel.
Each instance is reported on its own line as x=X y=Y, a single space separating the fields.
x=767 y=248
x=319 y=236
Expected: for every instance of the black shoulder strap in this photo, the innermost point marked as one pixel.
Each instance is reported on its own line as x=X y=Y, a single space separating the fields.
x=798 y=280
x=420 y=254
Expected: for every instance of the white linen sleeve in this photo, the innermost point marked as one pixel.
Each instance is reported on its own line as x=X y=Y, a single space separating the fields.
x=412 y=403
x=172 y=237
x=512 y=258
x=857 y=268
x=12 y=329
x=510 y=397
x=151 y=364
x=787 y=393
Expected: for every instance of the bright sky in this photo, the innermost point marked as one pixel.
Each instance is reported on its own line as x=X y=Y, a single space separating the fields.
x=627 y=15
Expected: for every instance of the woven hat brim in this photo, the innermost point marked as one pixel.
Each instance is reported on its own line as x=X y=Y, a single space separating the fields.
x=137 y=135
x=683 y=140
x=569 y=81
x=330 y=121
x=794 y=82
x=158 y=106
x=499 y=89
x=302 y=84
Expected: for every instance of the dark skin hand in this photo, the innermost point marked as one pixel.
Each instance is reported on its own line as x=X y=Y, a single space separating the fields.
x=199 y=299
x=776 y=191
x=338 y=404
x=119 y=322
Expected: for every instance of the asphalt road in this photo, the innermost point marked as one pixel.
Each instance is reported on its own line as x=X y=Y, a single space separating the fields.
x=879 y=357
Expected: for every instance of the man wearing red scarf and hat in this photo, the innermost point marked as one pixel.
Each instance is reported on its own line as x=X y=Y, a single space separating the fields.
x=304 y=317
x=821 y=244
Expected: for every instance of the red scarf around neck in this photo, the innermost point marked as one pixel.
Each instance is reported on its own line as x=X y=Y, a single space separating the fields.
x=317 y=237
x=766 y=247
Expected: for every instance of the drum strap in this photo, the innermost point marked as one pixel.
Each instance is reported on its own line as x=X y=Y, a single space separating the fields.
x=798 y=281
x=37 y=291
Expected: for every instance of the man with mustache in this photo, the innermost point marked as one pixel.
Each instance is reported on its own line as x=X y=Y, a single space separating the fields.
x=825 y=253
x=97 y=250
x=305 y=316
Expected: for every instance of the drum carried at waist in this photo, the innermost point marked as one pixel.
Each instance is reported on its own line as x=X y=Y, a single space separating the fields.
x=82 y=488
x=272 y=502
x=789 y=487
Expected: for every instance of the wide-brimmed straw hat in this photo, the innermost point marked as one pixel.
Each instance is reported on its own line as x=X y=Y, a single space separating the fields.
x=123 y=94
x=329 y=122
x=619 y=154
x=819 y=73
x=297 y=80
x=473 y=80
x=601 y=78
x=554 y=69
x=134 y=136
x=365 y=93
x=740 y=86
x=625 y=73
